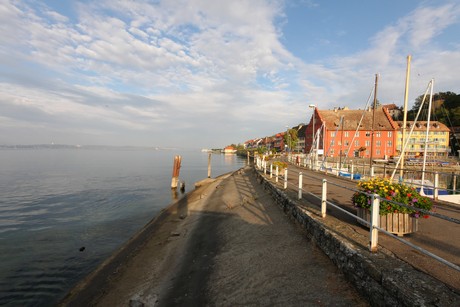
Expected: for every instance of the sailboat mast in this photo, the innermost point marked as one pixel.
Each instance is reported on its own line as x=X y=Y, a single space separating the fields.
x=373 y=120
x=406 y=95
x=427 y=132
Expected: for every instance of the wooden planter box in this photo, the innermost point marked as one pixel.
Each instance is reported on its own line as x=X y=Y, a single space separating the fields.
x=396 y=223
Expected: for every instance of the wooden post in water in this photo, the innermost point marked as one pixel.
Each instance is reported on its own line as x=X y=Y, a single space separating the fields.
x=176 y=171
x=209 y=165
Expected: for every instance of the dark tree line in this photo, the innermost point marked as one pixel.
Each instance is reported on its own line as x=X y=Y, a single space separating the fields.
x=445 y=109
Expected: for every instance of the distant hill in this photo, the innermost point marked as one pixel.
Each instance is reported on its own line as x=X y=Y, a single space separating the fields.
x=79 y=147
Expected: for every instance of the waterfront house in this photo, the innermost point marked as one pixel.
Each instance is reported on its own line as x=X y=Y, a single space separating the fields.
x=299 y=147
x=278 y=143
x=438 y=139
x=353 y=133
x=229 y=150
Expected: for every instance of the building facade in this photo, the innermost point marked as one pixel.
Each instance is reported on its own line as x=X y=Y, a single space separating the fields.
x=353 y=133
x=437 y=144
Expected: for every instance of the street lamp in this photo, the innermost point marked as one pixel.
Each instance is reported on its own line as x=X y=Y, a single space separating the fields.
x=288 y=136
x=313 y=131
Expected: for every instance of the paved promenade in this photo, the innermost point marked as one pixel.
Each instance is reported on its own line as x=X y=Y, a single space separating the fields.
x=438 y=236
x=227 y=243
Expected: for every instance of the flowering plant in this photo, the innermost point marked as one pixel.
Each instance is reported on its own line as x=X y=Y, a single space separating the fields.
x=281 y=165
x=396 y=192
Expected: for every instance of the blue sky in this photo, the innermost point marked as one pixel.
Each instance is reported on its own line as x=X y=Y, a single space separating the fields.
x=204 y=73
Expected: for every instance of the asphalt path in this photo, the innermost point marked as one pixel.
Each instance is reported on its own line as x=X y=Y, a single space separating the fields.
x=435 y=235
x=245 y=252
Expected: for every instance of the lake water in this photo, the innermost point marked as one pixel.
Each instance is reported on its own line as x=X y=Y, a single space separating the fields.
x=54 y=202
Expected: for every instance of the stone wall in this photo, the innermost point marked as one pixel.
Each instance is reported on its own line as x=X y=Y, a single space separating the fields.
x=379 y=277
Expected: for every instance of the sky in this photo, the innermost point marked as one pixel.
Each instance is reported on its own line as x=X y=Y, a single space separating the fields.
x=209 y=73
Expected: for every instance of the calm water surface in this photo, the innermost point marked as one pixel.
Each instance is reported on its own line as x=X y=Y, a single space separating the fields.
x=53 y=202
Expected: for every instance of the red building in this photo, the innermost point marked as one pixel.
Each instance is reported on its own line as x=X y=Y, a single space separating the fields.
x=353 y=133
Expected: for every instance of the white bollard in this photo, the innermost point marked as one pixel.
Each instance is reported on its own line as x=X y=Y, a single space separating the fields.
x=276 y=174
x=323 y=198
x=285 y=178
x=375 y=221
x=436 y=184
x=271 y=170
x=300 y=185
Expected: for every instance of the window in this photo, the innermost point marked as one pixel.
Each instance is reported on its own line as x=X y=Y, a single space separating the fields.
x=390 y=134
x=347 y=143
x=332 y=142
x=378 y=143
x=378 y=134
x=357 y=133
x=368 y=133
x=389 y=144
x=368 y=143
x=333 y=134
x=346 y=134
x=378 y=152
x=357 y=143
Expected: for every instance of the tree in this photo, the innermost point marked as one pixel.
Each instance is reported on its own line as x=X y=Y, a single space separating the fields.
x=291 y=138
x=377 y=104
x=445 y=108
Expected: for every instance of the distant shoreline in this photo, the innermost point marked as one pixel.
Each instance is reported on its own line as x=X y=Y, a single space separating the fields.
x=79 y=147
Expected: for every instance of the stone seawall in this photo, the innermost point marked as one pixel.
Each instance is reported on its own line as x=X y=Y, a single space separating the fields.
x=380 y=277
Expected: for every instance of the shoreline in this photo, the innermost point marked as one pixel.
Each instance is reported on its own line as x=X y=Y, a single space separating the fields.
x=226 y=243
x=93 y=285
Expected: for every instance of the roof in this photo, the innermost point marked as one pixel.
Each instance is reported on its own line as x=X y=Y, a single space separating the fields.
x=390 y=106
x=352 y=118
x=421 y=125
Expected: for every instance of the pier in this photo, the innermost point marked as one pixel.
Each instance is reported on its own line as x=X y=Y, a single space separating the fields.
x=236 y=240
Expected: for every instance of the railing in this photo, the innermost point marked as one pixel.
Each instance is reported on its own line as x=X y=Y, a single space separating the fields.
x=374 y=226
x=433 y=182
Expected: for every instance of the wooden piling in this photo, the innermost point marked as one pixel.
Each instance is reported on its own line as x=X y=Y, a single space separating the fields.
x=209 y=165
x=176 y=171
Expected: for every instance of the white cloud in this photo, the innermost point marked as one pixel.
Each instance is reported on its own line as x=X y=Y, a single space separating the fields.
x=137 y=67
x=347 y=80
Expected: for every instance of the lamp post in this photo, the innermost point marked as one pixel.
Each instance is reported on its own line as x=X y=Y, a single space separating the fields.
x=288 y=136
x=313 y=130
